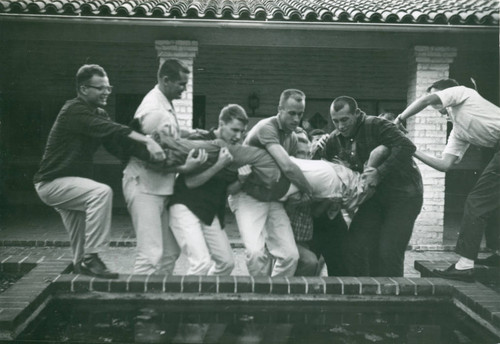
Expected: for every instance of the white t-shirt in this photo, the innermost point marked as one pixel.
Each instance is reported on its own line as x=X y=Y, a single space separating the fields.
x=475 y=120
x=331 y=180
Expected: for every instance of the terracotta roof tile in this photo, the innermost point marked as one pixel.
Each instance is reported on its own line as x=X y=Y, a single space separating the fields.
x=451 y=12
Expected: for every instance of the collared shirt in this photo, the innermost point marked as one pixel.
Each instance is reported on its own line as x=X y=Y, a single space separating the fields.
x=76 y=135
x=207 y=200
x=267 y=132
x=270 y=131
x=398 y=172
x=156 y=114
x=475 y=120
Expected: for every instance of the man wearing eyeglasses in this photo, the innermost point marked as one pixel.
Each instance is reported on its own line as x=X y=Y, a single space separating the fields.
x=64 y=179
x=475 y=121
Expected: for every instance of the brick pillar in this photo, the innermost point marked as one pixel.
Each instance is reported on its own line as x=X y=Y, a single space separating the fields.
x=185 y=51
x=428 y=131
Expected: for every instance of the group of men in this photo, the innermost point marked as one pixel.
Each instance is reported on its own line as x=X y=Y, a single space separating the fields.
x=180 y=208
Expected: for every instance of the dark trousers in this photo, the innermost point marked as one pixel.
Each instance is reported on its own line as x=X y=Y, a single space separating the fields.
x=329 y=240
x=481 y=212
x=379 y=235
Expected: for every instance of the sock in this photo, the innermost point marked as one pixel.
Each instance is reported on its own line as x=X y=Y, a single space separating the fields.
x=464 y=264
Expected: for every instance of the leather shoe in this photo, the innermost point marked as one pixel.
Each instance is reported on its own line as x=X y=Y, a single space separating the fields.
x=493 y=260
x=454 y=274
x=92 y=265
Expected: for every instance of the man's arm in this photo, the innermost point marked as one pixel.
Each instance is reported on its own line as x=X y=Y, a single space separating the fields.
x=191 y=164
x=243 y=174
x=199 y=179
x=289 y=169
x=401 y=151
x=153 y=148
x=441 y=164
x=415 y=107
x=105 y=128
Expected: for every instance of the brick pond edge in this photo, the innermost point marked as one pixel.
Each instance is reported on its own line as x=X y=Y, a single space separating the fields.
x=44 y=280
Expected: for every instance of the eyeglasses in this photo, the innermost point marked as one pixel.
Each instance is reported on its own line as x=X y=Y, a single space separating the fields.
x=101 y=88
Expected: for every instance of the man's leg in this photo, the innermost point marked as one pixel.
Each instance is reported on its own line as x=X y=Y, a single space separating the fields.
x=308 y=261
x=280 y=241
x=74 y=222
x=171 y=250
x=251 y=216
x=85 y=208
x=395 y=233
x=187 y=229
x=492 y=232
x=329 y=240
x=219 y=248
x=481 y=203
x=148 y=218
x=363 y=237
x=492 y=236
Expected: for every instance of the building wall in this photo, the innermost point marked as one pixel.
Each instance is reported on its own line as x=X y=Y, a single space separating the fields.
x=37 y=82
x=231 y=74
x=40 y=77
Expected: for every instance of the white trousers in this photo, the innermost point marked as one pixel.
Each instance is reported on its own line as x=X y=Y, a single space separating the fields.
x=266 y=232
x=85 y=208
x=201 y=243
x=157 y=249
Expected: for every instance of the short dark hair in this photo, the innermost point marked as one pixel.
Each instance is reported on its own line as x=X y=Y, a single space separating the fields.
x=340 y=102
x=86 y=72
x=316 y=132
x=172 y=68
x=301 y=138
x=443 y=84
x=231 y=112
x=297 y=95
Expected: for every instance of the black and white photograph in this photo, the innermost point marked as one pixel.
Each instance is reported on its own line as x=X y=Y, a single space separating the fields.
x=250 y=171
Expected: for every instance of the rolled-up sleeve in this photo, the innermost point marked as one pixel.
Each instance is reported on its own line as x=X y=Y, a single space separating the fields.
x=456 y=147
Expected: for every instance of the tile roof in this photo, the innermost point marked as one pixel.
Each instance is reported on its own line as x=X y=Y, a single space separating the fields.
x=444 y=12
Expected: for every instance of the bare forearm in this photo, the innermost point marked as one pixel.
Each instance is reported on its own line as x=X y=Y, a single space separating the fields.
x=412 y=110
x=139 y=137
x=418 y=105
x=199 y=179
x=439 y=164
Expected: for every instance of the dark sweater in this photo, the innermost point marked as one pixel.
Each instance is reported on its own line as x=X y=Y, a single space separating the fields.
x=208 y=200
x=76 y=135
x=399 y=173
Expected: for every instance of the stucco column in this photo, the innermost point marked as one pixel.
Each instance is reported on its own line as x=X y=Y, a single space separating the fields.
x=428 y=131
x=185 y=51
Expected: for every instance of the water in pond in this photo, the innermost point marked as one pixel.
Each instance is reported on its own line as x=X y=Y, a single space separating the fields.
x=87 y=321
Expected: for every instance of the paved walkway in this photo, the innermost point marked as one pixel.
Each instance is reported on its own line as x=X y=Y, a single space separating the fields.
x=41 y=233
